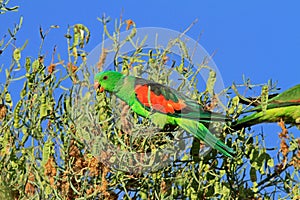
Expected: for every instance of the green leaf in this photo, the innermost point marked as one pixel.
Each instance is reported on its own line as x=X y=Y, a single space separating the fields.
x=24 y=90
x=8 y=99
x=17 y=57
x=36 y=65
x=43 y=107
x=47 y=150
x=5 y=142
x=264 y=97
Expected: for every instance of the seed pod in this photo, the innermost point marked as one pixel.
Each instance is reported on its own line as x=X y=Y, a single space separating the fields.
x=47 y=150
x=16 y=114
x=27 y=64
x=17 y=57
x=17 y=54
x=35 y=65
x=211 y=82
x=23 y=91
x=81 y=35
x=264 y=98
x=75 y=53
x=43 y=107
x=8 y=99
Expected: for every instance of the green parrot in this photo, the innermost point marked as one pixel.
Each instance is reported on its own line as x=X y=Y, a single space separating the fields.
x=285 y=106
x=162 y=105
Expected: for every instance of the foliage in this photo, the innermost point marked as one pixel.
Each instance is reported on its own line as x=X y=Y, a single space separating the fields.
x=61 y=140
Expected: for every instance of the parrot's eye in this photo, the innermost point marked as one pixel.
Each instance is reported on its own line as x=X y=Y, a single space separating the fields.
x=105 y=77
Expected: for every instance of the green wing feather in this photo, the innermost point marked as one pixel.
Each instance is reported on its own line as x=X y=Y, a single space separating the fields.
x=284 y=106
x=202 y=133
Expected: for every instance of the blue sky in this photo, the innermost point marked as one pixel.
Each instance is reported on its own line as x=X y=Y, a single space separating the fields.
x=260 y=39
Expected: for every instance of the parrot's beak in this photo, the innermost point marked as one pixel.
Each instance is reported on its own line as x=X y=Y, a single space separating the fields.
x=97 y=86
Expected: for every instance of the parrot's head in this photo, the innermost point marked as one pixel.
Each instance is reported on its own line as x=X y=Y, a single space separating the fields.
x=107 y=80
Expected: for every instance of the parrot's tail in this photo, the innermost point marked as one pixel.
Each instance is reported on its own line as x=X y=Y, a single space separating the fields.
x=202 y=133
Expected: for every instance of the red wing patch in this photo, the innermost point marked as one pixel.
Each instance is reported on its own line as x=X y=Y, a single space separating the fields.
x=291 y=101
x=157 y=102
x=296 y=101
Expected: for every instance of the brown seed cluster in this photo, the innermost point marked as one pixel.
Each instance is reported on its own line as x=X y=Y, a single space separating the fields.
x=72 y=70
x=82 y=164
x=73 y=170
x=296 y=160
x=3 y=111
x=284 y=132
x=163 y=187
x=29 y=187
x=51 y=68
x=284 y=148
x=104 y=183
x=50 y=171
